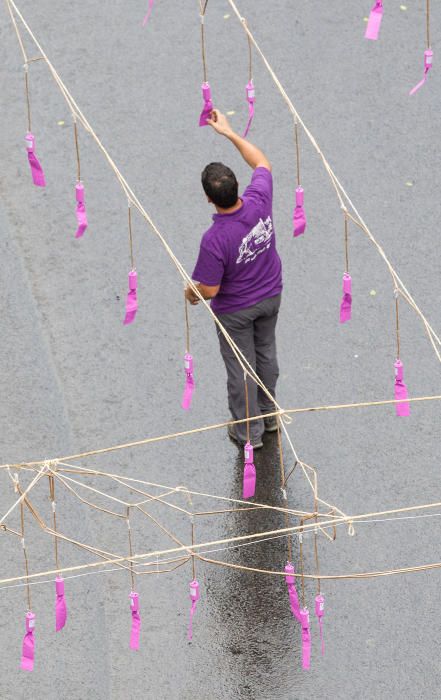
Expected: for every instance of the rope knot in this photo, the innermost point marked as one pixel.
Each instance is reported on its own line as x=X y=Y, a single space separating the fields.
x=285 y=417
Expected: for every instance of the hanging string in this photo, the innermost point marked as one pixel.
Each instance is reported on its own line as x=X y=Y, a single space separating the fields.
x=130 y=234
x=54 y=517
x=317 y=562
x=250 y=57
x=187 y=326
x=132 y=576
x=28 y=100
x=397 y=324
x=247 y=408
x=296 y=134
x=193 y=563
x=203 y=8
x=28 y=588
x=77 y=147
x=428 y=23
x=25 y=63
x=283 y=482
x=301 y=562
x=346 y=243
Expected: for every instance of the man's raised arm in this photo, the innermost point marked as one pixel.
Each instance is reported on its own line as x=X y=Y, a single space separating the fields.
x=250 y=153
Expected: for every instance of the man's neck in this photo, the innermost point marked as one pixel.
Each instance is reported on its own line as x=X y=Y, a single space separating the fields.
x=230 y=210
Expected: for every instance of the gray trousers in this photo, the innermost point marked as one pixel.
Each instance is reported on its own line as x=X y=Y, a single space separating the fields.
x=254 y=332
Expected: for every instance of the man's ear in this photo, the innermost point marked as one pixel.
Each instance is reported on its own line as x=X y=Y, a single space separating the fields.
x=210 y=201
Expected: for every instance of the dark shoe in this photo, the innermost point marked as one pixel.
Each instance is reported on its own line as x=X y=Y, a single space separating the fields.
x=270 y=424
x=233 y=435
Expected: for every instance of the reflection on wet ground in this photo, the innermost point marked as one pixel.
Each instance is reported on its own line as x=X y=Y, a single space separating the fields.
x=255 y=603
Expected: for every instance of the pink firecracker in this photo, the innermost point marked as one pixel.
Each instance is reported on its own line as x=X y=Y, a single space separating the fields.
x=36 y=169
x=132 y=300
x=28 y=650
x=320 y=612
x=81 y=210
x=299 y=217
x=428 y=60
x=149 y=12
x=194 y=597
x=306 y=638
x=292 y=592
x=136 y=620
x=402 y=409
x=346 y=302
x=60 y=604
x=251 y=99
x=249 y=472
x=189 y=382
x=374 y=22
x=208 y=105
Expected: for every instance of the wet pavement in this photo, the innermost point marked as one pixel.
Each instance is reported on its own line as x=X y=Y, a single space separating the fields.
x=75 y=379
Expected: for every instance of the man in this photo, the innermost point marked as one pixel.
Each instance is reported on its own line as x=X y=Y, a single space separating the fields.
x=239 y=269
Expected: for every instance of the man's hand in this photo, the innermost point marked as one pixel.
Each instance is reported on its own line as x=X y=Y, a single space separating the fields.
x=206 y=291
x=191 y=296
x=220 y=123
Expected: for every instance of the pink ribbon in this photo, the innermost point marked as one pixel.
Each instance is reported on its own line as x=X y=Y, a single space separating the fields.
x=131 y=301
x=402 y=409
x=306 y=638
x=428 y=60
x=249 y=472
x=136 y=620
x=81 y=210
x=149 y=12
x=374 y=22
x=292 y=591
x=194 y=597
x=208 y=105
x=60 y=604
x=189 y=382
x=36 y=169
x=28 y=650
x=346 y=302
x=320 y=612
x=299 y=217
x=251 y=98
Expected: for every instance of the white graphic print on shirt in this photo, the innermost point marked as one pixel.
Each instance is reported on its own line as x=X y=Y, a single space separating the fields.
x=256 y=242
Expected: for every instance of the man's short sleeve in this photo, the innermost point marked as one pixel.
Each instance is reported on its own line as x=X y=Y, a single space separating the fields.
x=261 y=187
x=209 y=268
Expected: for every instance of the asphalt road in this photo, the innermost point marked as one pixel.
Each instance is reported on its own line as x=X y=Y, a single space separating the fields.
x=74 y=378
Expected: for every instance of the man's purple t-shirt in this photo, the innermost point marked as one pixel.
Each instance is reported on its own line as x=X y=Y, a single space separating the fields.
x=238 y=252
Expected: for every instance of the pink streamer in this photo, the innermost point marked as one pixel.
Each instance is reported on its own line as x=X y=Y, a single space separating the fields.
x=28 y=650
x=60 y=604
x=306 y=638
x=249 y=472
x=428 y=60
x=81 y=210
x=402 y=409
x=292 y=592
x=346 y=302
x=149 y=12
x=251 y=98
x=189 y=382
x=36 y=169
x=373 y=25
x=194 y=597
x=299 y=217
x=136 y=620
x=132 y=300
x=208 y=105
x=320 y=612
